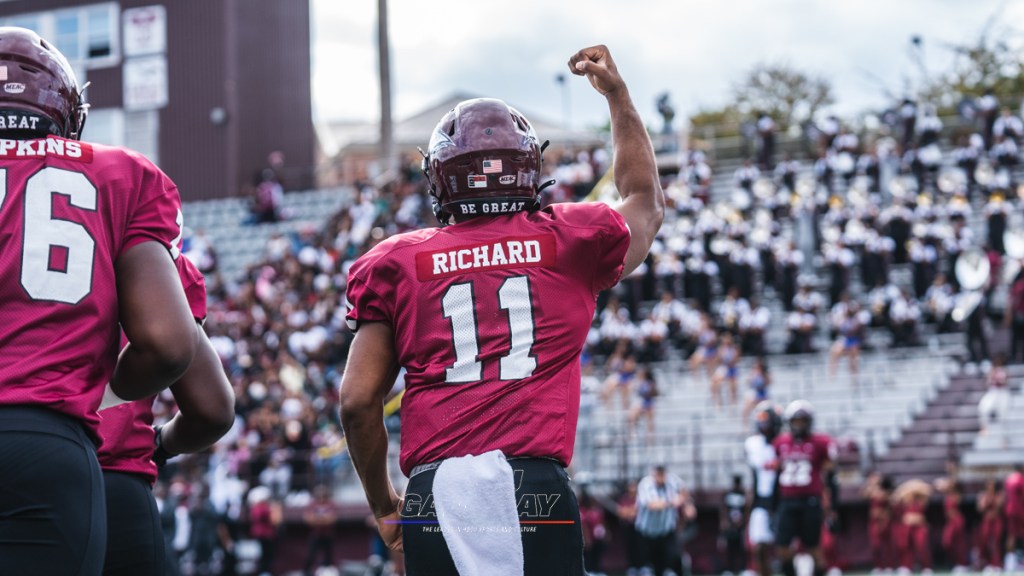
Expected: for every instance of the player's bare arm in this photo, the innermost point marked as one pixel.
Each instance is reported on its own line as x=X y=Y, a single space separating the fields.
x=369 y=374
x=155 y=316
x=634 y=166
x=206 y=403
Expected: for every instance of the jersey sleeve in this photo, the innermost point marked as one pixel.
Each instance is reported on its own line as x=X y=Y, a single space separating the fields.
x=365 y=297
x=606 y=237
x=195 y=287
x=157 y=215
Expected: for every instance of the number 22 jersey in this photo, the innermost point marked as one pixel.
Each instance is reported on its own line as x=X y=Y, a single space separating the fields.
x=801 y=464
x=489 y=318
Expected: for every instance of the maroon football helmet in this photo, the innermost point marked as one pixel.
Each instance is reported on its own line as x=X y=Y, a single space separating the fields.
x=36 y=78
x=483 y=159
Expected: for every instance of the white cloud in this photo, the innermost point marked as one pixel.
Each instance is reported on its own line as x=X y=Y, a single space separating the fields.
x=694 y=49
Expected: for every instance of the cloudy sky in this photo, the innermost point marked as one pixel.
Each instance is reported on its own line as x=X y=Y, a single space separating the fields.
x=693 y=49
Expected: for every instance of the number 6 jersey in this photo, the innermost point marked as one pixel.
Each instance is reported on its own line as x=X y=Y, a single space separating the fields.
x=489 y=317
x=68 y=210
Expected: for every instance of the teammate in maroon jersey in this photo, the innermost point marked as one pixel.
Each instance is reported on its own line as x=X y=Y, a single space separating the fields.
x=488 y=315
x=89 y=237
x=205 y=399
x=805 y=461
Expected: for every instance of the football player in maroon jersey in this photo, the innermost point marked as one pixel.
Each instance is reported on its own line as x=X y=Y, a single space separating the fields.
x=805 y=461
x=87 y=248
x=488 y=315
x=132 y=449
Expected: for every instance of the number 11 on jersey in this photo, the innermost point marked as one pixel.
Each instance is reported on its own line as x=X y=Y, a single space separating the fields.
x=459 y=305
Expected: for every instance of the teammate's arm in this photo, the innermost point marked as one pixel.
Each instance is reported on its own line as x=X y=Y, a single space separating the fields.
x=634 y=166
x=206 y=403
x=156 y=319
x=369 y=374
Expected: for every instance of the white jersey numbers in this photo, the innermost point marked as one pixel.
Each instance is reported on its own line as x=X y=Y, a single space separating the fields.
x=459 y=305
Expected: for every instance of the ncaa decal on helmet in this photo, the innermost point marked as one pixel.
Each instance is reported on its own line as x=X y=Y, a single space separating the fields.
x=38 y=89
x=483 y=159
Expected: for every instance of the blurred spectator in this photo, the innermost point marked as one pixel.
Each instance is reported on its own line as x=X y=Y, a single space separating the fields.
x=733 y=516
x=727 y=370
x=645 y=388
x=990 y=532
x=988 y=110
x=265 y=517
x=626 y=512
x=903 y=317
x=908 y=123
x=766 y=132
x=954 y=531
x=268 y=197
x=759 y=381
x=753 y=325
x=706 y=354
x=1008 y=125
x=1014 y=509
x=878 y=490
x=595 y=533
x=320 y=515
x=849 y=321
x=621 y=369
x=994 y=405
x=912 y=497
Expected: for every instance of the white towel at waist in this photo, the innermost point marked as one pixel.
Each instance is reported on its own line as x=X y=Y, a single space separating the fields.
x=475 y=500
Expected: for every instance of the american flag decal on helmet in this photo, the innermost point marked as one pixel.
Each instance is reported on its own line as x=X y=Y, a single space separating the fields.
x=492 y=166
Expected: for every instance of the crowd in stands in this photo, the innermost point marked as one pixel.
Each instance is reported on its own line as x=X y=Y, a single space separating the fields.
x=721 y=278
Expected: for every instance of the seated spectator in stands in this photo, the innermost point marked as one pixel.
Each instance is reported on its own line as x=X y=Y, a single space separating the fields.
x=990 y=532
x=200 y=251
x=938 y=305
x=614 y=325
x=668 y=269
x=802 y=327
x=852 y=323
x=758 y=381
x=807 y=300
x=745 y=176
x=903 y=317
x=786 y=173
x=1015 y=317
x=706 y=354
x=621 y=372
x=652 y=339
x=727 y=371
x=1008 y=125
x=268 y=197
x=671 y=311
x=995 y=403
x=753 y=325
x=645 y=390
x=731 y=309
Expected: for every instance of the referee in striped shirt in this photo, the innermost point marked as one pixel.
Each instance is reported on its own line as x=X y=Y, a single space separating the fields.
x=660 y=497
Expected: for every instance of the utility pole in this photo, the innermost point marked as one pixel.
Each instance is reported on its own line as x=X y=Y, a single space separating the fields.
x=388 y=162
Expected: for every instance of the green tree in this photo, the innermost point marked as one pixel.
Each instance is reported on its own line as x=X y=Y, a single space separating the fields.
x=788 y=95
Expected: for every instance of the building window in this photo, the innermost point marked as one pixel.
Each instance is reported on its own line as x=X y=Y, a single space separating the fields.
x=85 y=35
x=105 y=126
